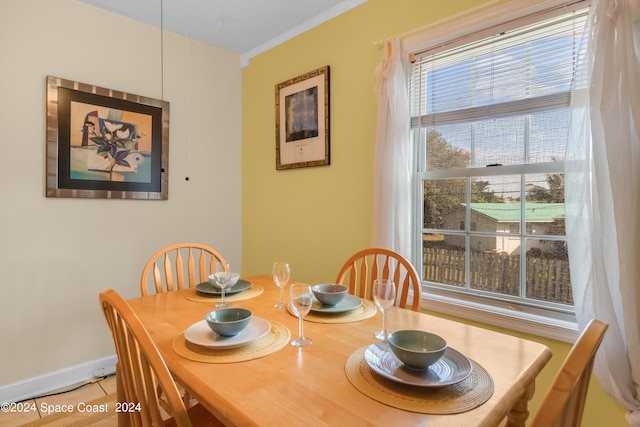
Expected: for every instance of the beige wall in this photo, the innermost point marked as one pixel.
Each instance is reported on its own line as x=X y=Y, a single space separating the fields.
x=316 y=217
x=56 y=255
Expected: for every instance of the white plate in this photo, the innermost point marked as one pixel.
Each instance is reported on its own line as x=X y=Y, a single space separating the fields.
x=209 y=289
x=452 y=367
x=201 y=334
x=349 y=302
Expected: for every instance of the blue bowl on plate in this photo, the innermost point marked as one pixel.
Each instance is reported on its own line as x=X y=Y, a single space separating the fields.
x=228 y=322
x=417 y=349
x=329 y=294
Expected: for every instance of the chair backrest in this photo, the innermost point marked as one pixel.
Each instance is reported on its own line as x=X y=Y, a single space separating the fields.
x=370 y=264
x=563 y=403
x=167 y=268
x=144 y=376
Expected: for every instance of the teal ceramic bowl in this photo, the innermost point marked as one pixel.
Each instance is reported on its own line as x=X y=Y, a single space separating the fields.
x=417 y=349
x=329 y=295
x=228 y=322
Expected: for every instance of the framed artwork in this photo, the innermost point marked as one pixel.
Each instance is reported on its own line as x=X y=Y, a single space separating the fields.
x=102 y=143
x=302 y=120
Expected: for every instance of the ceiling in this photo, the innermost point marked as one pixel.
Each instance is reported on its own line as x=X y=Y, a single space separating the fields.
x=247 y=27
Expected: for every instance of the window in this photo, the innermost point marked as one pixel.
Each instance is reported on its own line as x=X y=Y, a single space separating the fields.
x=489 y=123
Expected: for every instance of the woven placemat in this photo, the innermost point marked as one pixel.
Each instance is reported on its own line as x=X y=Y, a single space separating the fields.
x=453 y=399
x=192 y=295
x=277 y=338
x=365 y=311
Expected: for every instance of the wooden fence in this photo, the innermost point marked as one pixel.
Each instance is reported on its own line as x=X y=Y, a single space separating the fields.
x=547 y=279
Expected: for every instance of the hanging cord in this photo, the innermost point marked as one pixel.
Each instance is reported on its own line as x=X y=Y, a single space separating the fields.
x=186 y=142
x=187 y=79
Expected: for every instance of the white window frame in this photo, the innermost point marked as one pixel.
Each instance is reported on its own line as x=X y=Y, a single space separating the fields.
x=472 y=25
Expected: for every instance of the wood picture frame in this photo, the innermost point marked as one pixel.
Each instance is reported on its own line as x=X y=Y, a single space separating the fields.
x=104 y=143
x=302 y=120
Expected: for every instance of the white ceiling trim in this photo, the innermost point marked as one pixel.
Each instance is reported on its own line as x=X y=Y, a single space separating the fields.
x=299 y=29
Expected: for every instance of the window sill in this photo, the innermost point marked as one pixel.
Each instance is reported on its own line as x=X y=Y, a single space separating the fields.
x=518 y=319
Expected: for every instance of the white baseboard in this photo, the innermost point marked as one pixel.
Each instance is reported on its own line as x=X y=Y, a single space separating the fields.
x=51 y=382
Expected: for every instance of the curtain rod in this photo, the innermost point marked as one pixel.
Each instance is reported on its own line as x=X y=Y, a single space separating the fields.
x=441 y=21
x=380 y=43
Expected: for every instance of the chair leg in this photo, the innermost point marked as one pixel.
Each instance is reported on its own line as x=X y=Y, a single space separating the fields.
x=123 y=417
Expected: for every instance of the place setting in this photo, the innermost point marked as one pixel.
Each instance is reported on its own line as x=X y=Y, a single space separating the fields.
x=231 y=334
x=223 y=285
x=416 y=370
x=332 y=303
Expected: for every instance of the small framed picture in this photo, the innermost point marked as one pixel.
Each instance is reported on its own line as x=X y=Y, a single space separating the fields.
x=302 y=120
x=102 y=143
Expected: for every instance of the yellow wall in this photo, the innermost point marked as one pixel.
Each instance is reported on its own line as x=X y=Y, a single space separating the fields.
x=316 y=217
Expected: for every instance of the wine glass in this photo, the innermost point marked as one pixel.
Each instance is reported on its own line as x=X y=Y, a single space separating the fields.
x=301 y=300
x=384 y=295
x=222 y=276
x=281 y=273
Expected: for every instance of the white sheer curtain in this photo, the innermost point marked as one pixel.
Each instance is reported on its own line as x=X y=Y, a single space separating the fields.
x=392 y=176
x=603 y=195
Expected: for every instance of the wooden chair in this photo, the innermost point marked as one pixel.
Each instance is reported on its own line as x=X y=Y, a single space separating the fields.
x=563 y=403
x=142 y=375
x=168 y=263
x=370 y=264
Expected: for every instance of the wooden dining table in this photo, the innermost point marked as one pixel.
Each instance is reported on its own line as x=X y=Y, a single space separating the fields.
x=309 y=386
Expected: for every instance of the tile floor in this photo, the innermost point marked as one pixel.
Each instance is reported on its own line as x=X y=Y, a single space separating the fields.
x=85 y=393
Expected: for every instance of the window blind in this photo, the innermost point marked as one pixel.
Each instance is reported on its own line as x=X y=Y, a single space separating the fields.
x=513 y=72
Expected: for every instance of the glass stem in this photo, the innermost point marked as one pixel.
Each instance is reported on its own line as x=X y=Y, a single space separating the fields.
x=300 y=329
x=282 y=295
x=223 y=294
x=384 y=324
